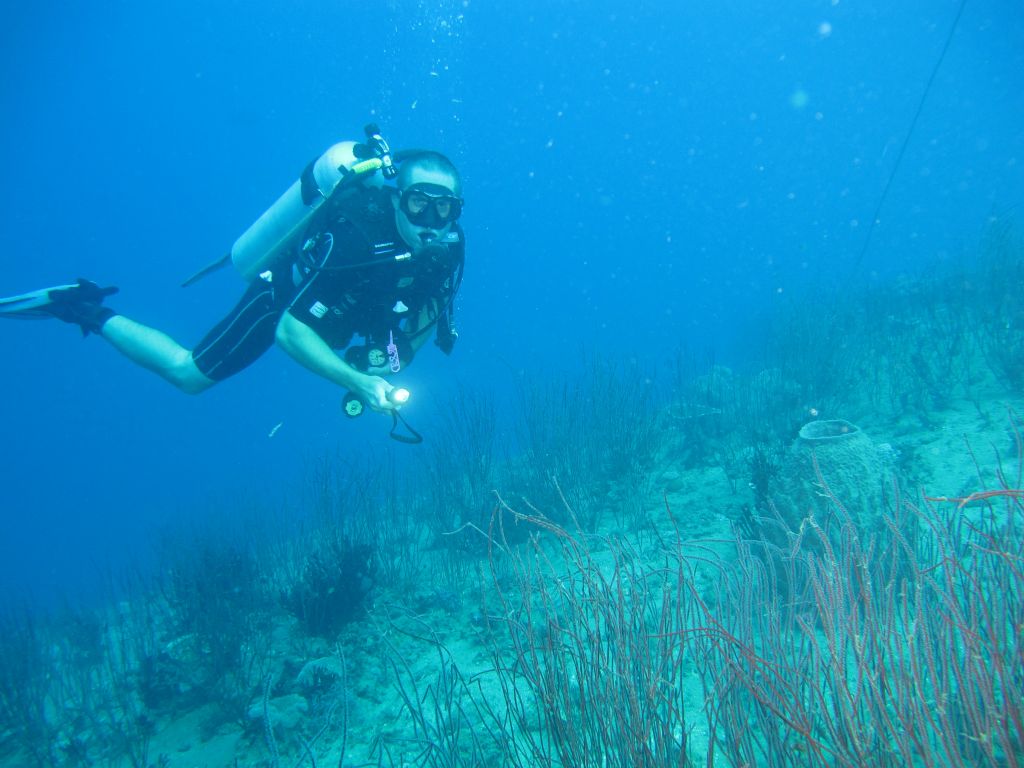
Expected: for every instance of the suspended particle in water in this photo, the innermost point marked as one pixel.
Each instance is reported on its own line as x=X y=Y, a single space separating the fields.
x=824 y=29
x=798 y=99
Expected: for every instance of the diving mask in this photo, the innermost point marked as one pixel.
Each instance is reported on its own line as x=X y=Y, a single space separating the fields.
x=430 y=205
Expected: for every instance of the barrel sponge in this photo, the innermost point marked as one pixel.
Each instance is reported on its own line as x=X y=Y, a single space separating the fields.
x=833 y=458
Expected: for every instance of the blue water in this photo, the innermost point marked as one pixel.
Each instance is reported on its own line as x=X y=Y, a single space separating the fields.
x=638 y=177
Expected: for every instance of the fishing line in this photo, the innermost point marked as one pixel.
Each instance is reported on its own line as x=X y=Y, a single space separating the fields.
x=906 y=140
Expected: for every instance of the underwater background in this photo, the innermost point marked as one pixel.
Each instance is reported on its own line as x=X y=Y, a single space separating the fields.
x=671 y=270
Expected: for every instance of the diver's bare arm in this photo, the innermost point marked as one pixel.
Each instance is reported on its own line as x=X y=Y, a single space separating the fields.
x=306 y=347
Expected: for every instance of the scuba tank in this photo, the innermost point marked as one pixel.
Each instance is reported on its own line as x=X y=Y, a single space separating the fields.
x=279 y=228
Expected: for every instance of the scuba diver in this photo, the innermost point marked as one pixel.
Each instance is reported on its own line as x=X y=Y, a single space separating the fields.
x=342 y=254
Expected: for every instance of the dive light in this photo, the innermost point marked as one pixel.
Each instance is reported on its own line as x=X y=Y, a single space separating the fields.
x=354 y=406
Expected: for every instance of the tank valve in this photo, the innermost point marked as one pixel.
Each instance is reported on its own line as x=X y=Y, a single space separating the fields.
x=380 y=148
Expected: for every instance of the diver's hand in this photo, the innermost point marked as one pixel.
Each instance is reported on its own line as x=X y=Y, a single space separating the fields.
x=373 y=390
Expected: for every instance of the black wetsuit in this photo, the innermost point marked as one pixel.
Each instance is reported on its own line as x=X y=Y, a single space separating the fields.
x=351 y=277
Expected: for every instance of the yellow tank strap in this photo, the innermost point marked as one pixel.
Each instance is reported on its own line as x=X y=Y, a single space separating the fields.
x=366 y=166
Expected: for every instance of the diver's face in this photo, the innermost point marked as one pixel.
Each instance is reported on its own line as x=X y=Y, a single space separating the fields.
x=426 y=207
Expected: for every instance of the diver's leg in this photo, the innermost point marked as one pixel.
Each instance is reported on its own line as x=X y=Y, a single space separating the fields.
x=157 y=352
x=241 y=337
x=82 y=304
x=230 y=346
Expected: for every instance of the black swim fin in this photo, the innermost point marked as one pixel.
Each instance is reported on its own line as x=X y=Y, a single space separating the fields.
x=80 y=303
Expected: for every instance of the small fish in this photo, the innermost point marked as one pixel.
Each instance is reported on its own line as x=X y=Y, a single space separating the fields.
x=274 y=430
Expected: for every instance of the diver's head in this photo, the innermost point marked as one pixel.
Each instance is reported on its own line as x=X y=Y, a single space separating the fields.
x=428 y=199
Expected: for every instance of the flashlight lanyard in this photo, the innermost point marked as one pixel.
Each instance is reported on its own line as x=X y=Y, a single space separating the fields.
x=412 y=438
x=354 y=406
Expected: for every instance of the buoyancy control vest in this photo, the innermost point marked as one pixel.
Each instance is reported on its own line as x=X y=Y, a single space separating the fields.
x=359 y=227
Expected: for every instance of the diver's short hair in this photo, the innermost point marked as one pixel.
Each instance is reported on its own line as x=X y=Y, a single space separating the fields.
x=428 y=160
